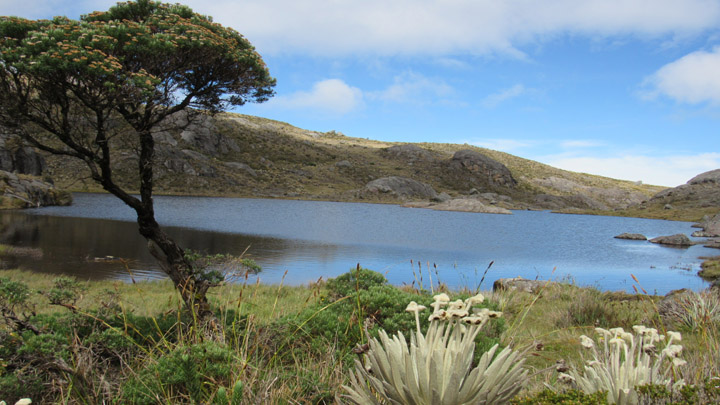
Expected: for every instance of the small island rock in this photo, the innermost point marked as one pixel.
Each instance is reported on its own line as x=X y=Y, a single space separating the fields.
x=679 y=240
x=631 y=236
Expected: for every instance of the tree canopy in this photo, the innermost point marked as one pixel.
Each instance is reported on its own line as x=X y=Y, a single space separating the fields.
x=78 y=87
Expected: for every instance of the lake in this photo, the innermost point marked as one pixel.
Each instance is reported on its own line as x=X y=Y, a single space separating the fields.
x=297 y=242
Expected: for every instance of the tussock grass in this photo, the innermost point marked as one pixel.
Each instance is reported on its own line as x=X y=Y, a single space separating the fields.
x=282 y=344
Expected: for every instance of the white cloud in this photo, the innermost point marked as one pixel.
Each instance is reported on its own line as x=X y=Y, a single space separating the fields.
x=436 y=27
x=428 y=27
x=495 y=99
x=581 y=143
x=664 y=171
x=332 y=95
x=691 y=79
x=411 y=87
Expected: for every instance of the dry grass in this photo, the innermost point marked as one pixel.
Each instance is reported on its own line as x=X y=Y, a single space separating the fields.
x=549 y=322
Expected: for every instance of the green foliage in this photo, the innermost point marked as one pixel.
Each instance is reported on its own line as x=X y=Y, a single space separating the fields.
x=361 y=301
x=66 y=291
x=358 y=279
x=188 y=373
x=570 y=397
x=594 y=308
x=235 y=397
x=13 y=388
x=13 y=293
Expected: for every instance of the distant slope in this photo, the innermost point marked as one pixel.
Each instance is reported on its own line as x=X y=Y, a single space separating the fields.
x=241 y=155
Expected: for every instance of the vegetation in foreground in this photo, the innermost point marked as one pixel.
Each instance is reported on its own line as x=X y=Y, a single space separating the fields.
x=67 y=341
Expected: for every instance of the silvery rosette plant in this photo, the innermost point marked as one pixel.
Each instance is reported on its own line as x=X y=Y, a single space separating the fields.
x=436 y=367
x=625 y=360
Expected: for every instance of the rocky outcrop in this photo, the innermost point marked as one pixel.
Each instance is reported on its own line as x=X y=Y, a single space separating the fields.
x=461 y=205
x=519 y=284
x=199 y=131
x=701 y=191
x=399 y=187
x=23 y=191
x=677 y=240
x=631 y=236
x=712 y=176
x=710 y=227
x=482 y=168
x=17 y=157
x=556 y=202
x=581 y=196
x=408 y=152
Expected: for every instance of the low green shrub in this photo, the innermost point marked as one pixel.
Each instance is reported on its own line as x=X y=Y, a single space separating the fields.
x=354 y=280
x=360 y=303
x=570 y=397
x=186 y=374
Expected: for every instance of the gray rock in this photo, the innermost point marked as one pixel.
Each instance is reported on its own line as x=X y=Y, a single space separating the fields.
x=712 y=243
x=483 y=168
x=675 y=304
x=469 y=205
x=194 y=155
x=408 y=152
x=400 y=187
x=679 y=240
x=30 y=192
x=631 y=236
x=668 y=207
x=711 y=227
x=164 y=137
x=200 y=132
x=712 y=176
x=17 y=157
x=519 y=284
x=701 y=234
x=343 y=164
x=442 y=197
x=701 y=191
x=597 y=197
x=242 y=166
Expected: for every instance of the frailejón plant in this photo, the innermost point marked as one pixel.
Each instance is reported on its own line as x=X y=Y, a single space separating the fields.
x=626 y=360
x=436 y=367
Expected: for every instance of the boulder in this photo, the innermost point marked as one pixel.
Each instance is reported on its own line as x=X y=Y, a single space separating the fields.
x=701 y=191
x=679 y=240
x=400 y=187
x=469 y=205
x=712 y=176
x=17 y=157
x=519 y=284
x=200 y=132
x=483 y=168
x=711 y=227
x=343 y=164
x=631 y=236
x=242 y=167
x=29 y=192
x=712 y=243
x=554 y=202
x=408 y=152
x=675 y=304
x=442 y=197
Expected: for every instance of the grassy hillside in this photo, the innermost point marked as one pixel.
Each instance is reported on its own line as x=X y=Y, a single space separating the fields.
x=240 y=155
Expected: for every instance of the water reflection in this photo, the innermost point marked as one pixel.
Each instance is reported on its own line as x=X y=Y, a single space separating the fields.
x=320 y=239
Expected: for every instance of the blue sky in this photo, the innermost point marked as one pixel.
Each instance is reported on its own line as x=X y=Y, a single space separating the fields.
x=623 y=88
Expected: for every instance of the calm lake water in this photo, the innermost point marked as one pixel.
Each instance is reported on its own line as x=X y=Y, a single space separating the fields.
x=311 y=239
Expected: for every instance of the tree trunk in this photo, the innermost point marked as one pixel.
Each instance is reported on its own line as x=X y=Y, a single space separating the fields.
x=188 y=282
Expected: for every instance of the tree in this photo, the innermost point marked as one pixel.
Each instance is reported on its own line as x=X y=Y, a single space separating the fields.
x=82 y=88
